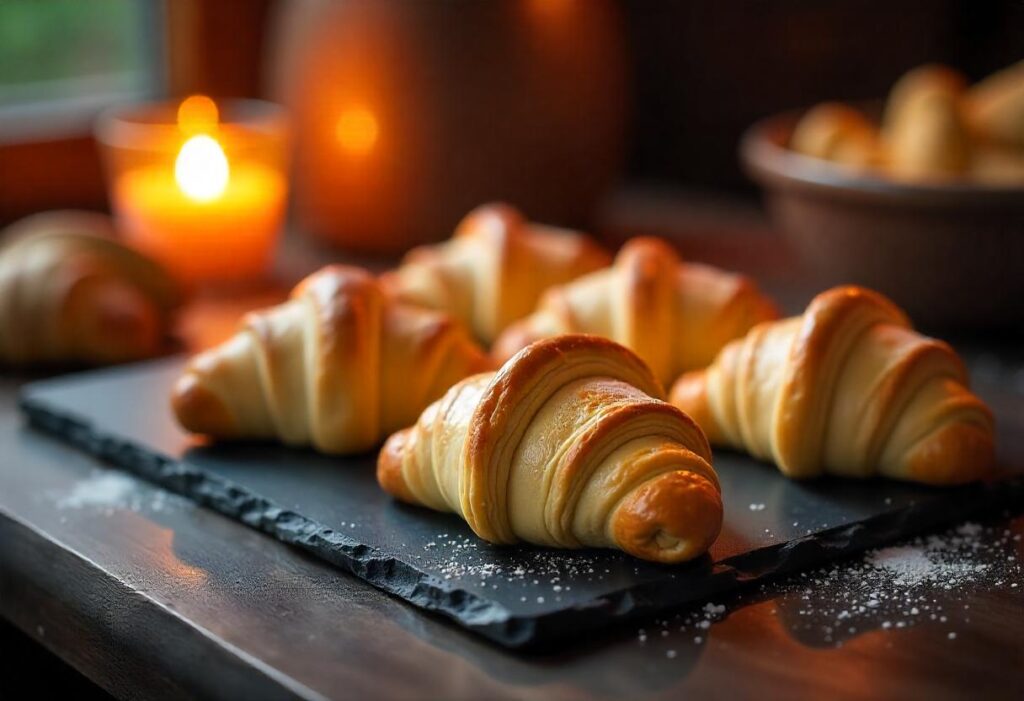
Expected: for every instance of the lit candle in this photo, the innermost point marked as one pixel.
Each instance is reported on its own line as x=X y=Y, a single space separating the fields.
x=209 y=199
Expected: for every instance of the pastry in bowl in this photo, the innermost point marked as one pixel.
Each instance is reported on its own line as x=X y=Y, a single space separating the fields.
x=995 y=107
x=568 y=445
x=836 y=132
x=935 y=128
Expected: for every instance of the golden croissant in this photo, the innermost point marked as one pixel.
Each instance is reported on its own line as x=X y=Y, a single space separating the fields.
x=565 y=446
x=924 y=126
x=848 y=388
x=338 y=366
x=835 y=132
x=70 y=293
x=676 y=316
x=995 y=107
x=494 y=268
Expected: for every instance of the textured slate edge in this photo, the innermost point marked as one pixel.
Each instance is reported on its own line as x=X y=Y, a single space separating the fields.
x=485 y=617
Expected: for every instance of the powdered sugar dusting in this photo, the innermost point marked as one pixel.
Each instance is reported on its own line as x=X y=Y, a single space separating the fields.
x=913 y=565
x=109 y=490
x=100 y=489
x=466 y=557
x=927 y=580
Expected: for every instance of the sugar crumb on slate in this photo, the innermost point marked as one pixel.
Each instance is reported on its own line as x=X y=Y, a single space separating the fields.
x=470 y=559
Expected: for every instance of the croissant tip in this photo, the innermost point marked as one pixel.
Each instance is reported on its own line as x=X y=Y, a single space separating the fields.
x=199 y=410
x=957 y=454
x=673 y=518
x=389 y=466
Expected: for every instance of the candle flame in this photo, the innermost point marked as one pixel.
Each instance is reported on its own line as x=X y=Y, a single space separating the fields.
x=357 y=130
x=197 y=114
x=201 y=168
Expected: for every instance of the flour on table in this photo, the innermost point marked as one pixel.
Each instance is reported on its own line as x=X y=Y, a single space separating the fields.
x=108 y=490
x=99 y=489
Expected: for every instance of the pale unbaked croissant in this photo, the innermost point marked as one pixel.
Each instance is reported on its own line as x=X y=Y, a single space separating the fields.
x=69 y=293
x=494 y=268
x=339 y=366
x=674 y=315
x=848 y=388
x=565 y=446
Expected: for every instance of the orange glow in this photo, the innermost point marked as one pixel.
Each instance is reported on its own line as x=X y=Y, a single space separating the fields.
x=208 y=199
x=197 y=113
x=228 y=237
x=550 y=9
x=357 y=130
x=187 y=575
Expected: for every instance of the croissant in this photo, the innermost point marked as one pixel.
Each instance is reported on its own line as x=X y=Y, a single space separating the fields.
x=69 y=293
x=674 y=315
x=564 y=446
x=494 y=268
x=849 y=389
x=835 y=132
x=995 y=106
x=924 y=127
x=997 y=165
x=338 y=366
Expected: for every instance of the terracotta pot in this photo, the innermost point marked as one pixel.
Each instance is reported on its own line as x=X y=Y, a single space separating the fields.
x=951 y=253
x=409 y=114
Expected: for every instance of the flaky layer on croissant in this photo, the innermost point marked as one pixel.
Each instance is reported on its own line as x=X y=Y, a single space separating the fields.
x=69 y=293
x=339 y=366
x=849 y=389
x=494 y=268
x=676 y=316
x=565 y=446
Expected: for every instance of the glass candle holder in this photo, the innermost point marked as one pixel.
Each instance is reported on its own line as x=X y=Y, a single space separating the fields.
x=199 y=185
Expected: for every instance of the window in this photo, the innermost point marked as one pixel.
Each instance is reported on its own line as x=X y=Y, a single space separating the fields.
x=63 y=61
x=72 y=56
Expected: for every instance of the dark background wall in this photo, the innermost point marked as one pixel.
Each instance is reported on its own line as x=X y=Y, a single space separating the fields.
x=704 y=70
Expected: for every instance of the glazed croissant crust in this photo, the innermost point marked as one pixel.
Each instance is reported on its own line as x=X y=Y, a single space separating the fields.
x=494 y=268
x=676 y=316
x=565 y=446
x=849 y=389
x=69 y=293
x=339 y=366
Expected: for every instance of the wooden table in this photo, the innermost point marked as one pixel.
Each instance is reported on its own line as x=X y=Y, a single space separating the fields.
x=148 y=595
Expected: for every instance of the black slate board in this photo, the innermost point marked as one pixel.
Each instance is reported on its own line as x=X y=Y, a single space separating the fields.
x=516 y=596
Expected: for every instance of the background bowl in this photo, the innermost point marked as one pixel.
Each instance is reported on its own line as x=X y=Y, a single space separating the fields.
x=950 y=253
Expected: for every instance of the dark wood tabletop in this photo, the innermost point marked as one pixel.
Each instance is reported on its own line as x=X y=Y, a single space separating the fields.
x=149 y=595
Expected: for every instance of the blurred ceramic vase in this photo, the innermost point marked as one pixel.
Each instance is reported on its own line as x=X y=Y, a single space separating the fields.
x=407 y=115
